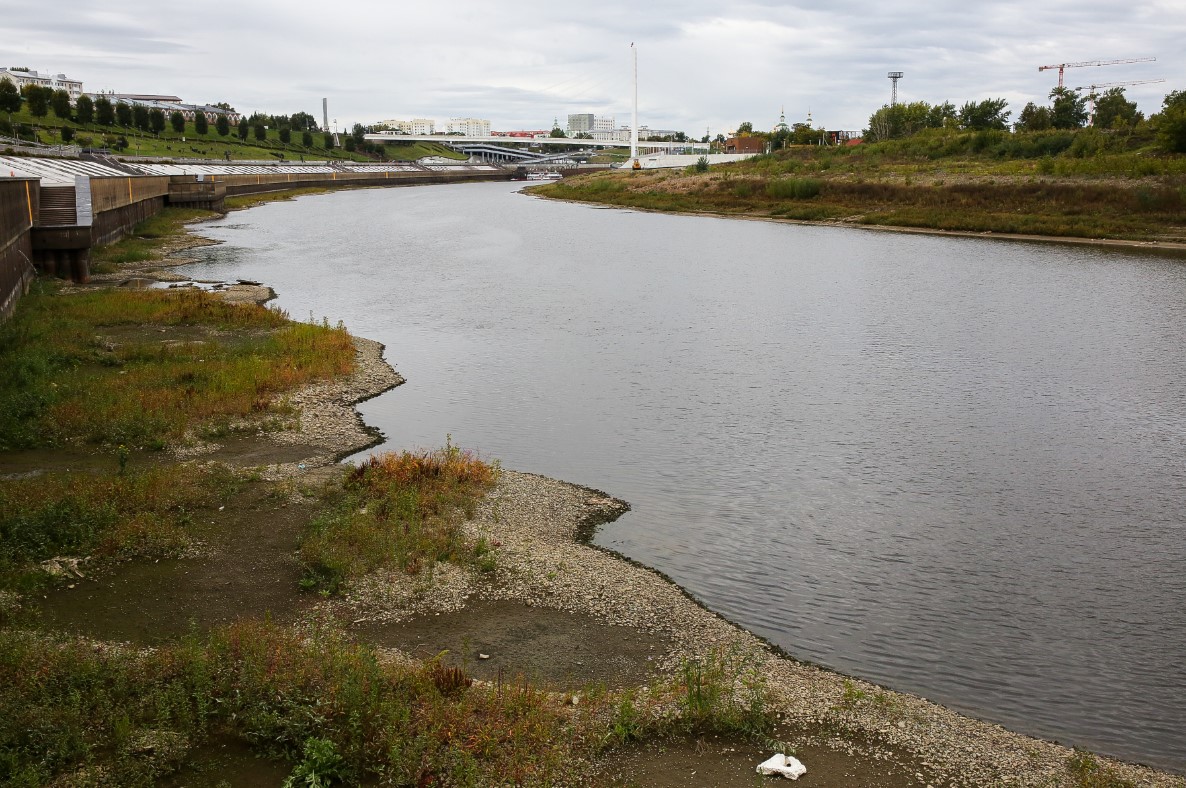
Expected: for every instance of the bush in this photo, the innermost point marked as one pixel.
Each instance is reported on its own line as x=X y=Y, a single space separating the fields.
x=793 y=188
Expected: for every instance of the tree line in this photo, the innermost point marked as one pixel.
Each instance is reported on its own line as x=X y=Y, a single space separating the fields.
x=1067 y=110
x=40 y=101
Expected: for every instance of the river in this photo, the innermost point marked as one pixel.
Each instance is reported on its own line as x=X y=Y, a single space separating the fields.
x=953 y=466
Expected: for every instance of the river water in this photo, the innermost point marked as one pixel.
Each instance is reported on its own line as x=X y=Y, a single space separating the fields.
x=952 y=466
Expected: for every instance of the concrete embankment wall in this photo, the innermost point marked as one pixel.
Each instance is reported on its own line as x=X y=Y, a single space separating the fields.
x=19 y=198
x=257 y=184
x=76 y=218
x=119 y=204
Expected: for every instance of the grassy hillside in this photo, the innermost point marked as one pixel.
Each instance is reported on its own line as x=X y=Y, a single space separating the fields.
x=211 y=145
x=1088 y=184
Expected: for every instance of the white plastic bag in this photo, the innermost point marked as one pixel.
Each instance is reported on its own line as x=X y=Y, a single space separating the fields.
x=785 y=765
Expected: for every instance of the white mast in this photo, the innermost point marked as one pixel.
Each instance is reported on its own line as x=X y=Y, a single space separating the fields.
x=634 y=123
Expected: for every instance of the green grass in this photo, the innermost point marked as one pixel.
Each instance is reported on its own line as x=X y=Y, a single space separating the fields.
x=144 y=513
x=402 y=510
x=73 y=709
x=1087 y=772
x=891 y=189
x=75 y=375
x=243 y=201
x=190 y=144
x=144 y=241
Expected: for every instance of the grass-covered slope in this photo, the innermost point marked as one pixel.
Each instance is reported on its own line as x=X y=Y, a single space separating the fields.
x=1085 y=184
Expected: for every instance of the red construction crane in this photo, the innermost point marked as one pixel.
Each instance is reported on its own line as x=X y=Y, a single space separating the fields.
x=1092 y=88
x=1062 y=66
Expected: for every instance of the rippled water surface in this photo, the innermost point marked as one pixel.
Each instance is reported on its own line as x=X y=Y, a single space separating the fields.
x=956 y=467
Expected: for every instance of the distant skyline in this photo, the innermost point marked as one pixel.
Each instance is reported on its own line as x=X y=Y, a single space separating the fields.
x=702 y=65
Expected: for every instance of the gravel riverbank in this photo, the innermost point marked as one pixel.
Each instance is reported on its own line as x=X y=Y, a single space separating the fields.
x=542 y=561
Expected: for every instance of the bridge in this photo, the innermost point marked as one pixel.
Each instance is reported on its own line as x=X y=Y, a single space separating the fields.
x=497 y=146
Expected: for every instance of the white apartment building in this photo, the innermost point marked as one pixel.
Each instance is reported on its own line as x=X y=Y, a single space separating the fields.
x=416 y=126
x=644 y=133
x=72 y=86
x=20 y=78
x=470 y=127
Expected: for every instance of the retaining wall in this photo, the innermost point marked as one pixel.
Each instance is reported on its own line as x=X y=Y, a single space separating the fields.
x=19 y=198
x=107 y=194
x=257 y=184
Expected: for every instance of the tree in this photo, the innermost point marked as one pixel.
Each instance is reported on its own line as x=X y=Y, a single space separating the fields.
x=1113 y=110
x=222 y=125
x=140 y=117
x=302 y=121
x=104 y=112
x=329 y=140
x=941 y=115
x=201 y=124
x=557 y=133
x=10 y=97
x=985 y=115
x=84 y=110
x=285 y=134
x=261 y=132
x=59 y=101
x=349 y=144
x=242 y=128
x=745 y=128
x=123 y=114
x=67 y=134
x=358 y=133
x=37 y=100
x=1171 y=122
x=1068 y=110
x=177 y=121
x=156 y=121
x=1033 y=118
x=900 y=120
x=307 y=139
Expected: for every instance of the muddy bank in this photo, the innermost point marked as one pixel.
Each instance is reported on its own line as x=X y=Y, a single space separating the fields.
x=1171 y=247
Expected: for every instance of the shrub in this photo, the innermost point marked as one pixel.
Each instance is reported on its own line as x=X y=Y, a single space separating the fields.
x=400 y=509
x=793 y=188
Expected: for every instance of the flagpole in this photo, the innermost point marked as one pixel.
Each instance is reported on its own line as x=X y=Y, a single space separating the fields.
x=634 y=123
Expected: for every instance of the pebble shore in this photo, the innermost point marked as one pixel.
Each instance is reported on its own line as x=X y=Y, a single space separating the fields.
x=540 y=524
x=540 y=527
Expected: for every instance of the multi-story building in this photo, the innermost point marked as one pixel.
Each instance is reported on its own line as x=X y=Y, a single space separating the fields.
x=644 y=133
x=470 y=127
x=597 y=127
x=417 y=126
x=21 y=77
x=580 y=123
x=171 y=104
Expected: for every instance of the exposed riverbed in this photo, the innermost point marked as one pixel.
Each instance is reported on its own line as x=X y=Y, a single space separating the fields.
x=952 y=466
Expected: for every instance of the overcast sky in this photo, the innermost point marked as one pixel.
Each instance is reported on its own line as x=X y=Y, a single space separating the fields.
x=702 y=65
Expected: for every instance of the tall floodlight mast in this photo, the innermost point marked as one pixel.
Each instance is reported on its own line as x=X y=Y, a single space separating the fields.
x=325 y=113
x=894 y=76
x=634 y=121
